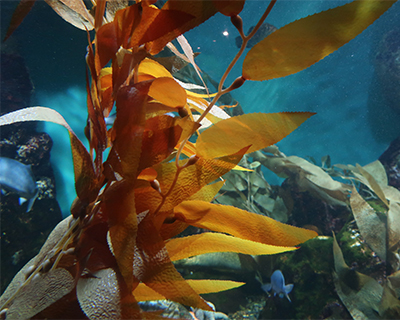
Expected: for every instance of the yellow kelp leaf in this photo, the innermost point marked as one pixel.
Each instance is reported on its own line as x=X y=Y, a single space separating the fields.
x=168 y=92
x=259 y=130
x=153 y=68
x=304 y=42
x=184 y=247
x=144 y=293
x=208 y=192
x=372 y=229
x=83 y=166
x=190 y=180
x=241 y=224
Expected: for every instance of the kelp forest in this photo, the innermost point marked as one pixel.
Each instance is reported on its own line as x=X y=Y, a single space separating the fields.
x=172 y=183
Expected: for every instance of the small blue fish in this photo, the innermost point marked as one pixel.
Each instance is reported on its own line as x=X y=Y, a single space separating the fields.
x=18 y=177
x=278 y=285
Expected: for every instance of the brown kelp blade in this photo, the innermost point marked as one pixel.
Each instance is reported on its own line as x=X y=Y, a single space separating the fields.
x=304 y=42
x=241 y=224
x=23 y=8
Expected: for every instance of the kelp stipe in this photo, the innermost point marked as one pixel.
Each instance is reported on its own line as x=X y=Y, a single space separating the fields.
x=118 y=245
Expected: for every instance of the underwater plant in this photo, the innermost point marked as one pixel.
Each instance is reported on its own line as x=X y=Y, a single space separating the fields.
x=143 y=181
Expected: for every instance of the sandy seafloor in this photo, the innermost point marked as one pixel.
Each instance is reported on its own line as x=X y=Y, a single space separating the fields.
x=353 y=123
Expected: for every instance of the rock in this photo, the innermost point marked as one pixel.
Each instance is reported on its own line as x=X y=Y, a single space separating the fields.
x=391 y=161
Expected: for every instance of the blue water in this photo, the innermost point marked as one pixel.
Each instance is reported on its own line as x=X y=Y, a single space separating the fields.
x=351 y=125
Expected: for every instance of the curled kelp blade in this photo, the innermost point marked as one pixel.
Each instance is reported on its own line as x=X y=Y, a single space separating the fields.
x=371 y=227
x=304 y=42
x=83 y=166
x=74 y=12
x=360 y=293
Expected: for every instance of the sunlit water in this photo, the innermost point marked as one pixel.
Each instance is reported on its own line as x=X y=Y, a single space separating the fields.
x=351 y=125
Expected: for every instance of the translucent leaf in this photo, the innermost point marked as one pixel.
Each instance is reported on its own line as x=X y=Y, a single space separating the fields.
x=167 y=91
x=215 y=115
x=373 y=184
x=74 y=12
x=185 y=247
x=83 y=166
x=304 y=42
x=241 y=224
x=259 y=130
x=372 y=229
x=200 y=10
x=144 y=293
x=153 y=68
x=156 y=24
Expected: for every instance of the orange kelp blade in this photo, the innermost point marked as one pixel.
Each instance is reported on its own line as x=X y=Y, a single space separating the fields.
x=144 y=293
x=185 y=247
x=259 y=130
x=241 y=223
x=304 y=42
x=85 y=179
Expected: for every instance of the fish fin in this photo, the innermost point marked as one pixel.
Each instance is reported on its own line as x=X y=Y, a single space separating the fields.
x=289 y=288
x=266 y=287
x=287 y=296
x=22 y=200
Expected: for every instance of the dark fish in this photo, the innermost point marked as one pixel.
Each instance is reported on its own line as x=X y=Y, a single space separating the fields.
x=18 y=177
x=265 y=30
